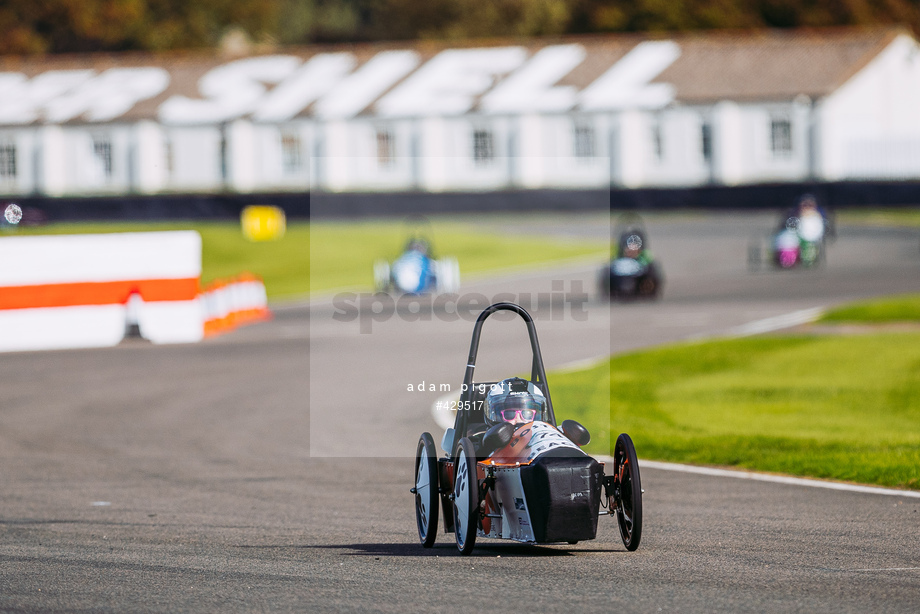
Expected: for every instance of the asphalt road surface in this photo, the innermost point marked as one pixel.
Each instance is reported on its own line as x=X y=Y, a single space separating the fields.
x=269 y=469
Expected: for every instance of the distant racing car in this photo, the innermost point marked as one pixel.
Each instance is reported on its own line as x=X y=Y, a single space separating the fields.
x=632 y=271
x=416 y=271
x=527 y=481
x=789 y=248
x=798 y=241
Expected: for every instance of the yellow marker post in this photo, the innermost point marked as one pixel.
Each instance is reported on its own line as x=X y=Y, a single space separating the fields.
x=262 y=222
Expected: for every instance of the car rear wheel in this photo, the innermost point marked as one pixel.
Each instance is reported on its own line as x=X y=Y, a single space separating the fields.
x=448 y=276
x=628 y=491
x=426 y=490
x=466 y=497
x=755 y=256
x=381 y=276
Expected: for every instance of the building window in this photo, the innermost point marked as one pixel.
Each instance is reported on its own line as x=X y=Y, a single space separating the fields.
x=386 y=148
x=781 y=137
x=223 y=153
x=169 y=155
x=483 y=146
x=657 y=144
x=291 y=154
x=706 y=141
x=7 y=162
x=584 y=141
x=102 y=150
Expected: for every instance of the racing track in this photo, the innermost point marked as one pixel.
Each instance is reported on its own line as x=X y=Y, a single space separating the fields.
x=269 y=469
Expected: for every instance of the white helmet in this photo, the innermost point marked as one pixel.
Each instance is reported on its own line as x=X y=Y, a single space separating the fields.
x=514 y=400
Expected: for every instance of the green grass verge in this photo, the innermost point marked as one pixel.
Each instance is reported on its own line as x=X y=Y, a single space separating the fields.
x=900 y=308
x=837 y=407
x=909 y=217
x=330 y=256
x=343 y=255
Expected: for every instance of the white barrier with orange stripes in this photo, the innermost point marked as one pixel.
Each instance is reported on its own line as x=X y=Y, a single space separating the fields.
x=72 y=291
x=230 y=303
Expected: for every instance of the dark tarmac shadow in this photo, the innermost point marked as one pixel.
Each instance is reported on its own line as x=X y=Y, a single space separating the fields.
x=449 y=549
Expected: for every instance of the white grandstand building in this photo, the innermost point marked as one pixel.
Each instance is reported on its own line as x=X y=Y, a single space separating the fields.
x=586 y=112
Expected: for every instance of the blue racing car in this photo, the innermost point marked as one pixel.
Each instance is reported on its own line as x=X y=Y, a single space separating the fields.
x=416 y=271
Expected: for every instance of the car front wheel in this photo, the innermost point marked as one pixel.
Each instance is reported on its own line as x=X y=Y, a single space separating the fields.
x=466 y=497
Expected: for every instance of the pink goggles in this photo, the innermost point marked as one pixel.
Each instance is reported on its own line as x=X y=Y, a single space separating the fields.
x=526 y=415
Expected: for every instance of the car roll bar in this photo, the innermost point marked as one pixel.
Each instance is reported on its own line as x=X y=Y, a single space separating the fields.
x=537 y=374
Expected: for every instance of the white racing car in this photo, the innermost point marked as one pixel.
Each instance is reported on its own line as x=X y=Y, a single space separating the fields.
x=510 y=472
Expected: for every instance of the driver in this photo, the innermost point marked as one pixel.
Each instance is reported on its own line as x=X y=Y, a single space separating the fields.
x=516 y=401
x=418 y=244
x=633 y=245
x=811 y=221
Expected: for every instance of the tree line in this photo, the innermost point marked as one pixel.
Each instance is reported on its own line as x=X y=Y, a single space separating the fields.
x=67 y=26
